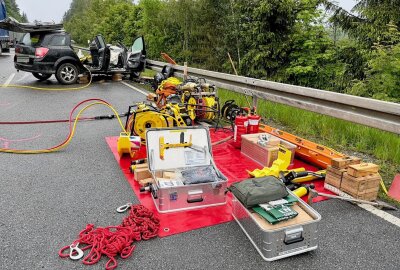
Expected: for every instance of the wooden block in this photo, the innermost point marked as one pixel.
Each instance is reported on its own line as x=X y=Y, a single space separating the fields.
x=152 y=97
x=141 y=166
x=158 y=174
x=344 y=162
x=336 y=171
x=83 y=80
x=365 y=187
x=146 y=181
x=169 y=175
x=140 y=174
x=333 y=179
x=362 y=169
x=117 y=77
x=334 y=176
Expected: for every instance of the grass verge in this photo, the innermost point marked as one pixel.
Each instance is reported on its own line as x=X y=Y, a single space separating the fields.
x=374 y=145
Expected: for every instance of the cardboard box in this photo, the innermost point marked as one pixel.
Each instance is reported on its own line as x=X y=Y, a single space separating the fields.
x=362 y=169
x=365 y=187
x=265 y=156
x=344 y=162
x=273 y=141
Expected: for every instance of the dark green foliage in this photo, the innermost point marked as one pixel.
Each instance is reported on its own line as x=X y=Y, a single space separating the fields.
x=13 y=11
x=291 y=41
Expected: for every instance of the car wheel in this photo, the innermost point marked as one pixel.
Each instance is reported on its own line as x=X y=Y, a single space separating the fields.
x=41 y=76
x=67 y=73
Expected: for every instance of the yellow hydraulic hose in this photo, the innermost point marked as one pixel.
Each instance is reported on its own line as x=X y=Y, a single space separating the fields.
x=64 y=144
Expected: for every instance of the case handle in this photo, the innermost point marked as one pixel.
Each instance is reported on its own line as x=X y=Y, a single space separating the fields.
x=195 y=200
x=293 y=236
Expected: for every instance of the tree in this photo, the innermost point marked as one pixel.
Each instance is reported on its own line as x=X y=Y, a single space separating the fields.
x=368 y=20
x=13 y=11
x=265 y=28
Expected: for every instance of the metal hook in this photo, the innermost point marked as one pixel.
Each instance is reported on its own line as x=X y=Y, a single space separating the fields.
x=124 y=208
x=74 y=248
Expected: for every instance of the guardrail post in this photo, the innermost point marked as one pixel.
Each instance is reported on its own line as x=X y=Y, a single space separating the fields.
x=255 y=101
x=185 y=71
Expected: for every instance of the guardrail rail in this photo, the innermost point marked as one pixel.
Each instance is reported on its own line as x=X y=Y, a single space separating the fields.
x=369 y=112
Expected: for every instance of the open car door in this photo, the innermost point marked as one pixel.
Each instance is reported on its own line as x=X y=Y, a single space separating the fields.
x=100 y=53
x=137 y=58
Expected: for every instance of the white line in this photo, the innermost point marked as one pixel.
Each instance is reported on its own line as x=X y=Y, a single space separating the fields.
x=135 y=88
x=382 y=214
x=23 y=77
x=9 y=80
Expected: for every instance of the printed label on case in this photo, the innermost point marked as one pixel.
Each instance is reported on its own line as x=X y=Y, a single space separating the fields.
x=195 y=158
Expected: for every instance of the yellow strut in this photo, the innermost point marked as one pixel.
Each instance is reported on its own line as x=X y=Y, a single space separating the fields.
x=164 y=146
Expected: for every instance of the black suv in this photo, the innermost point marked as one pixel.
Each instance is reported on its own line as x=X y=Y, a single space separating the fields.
x=46 y=49
x=47 y=53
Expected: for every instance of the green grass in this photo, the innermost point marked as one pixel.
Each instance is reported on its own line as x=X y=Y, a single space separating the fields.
x=383 y=147
x=148 y=73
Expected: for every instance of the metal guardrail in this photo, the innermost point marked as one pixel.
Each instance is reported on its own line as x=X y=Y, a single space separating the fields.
x=369 y=112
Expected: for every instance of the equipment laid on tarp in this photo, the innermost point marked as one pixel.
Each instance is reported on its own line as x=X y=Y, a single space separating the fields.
x=184 y=173
x=143 y=116
x=273 y=239
x=312 y=152
x=254 y=191
x=196 y=97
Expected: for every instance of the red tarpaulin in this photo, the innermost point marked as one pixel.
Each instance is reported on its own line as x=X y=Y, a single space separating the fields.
x=229 y=161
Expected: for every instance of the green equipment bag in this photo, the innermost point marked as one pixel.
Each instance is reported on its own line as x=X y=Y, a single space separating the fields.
x=255 y=191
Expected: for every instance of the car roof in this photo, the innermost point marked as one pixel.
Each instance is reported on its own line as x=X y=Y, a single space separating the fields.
x=13 y=25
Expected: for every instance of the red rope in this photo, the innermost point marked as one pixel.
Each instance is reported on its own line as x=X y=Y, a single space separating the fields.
x=113 y=240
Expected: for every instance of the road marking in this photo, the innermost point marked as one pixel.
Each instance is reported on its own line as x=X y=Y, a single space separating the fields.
x=382 y=214
x=23 y=77
x=9 y=80
x=370 y=208
x=135 y=88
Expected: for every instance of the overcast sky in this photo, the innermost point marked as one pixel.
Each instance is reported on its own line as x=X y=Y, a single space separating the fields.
x=44 y=10
x=53 y=10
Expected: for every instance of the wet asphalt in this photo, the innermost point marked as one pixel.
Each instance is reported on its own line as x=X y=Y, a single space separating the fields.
x=47 y=199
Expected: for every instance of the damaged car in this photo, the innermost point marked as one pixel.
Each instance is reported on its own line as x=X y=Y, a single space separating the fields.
x=46 y=49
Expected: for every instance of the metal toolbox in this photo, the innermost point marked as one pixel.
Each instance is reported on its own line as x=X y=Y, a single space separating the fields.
x=285 y=239
x=174 y=149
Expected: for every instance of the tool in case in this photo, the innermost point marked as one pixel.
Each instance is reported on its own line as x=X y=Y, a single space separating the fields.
x=284 y=239
x=184 y=172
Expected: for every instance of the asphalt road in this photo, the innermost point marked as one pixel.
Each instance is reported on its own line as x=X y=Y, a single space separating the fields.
x=47 y=199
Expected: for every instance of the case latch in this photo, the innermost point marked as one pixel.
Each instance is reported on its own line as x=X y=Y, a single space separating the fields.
x=293 y=236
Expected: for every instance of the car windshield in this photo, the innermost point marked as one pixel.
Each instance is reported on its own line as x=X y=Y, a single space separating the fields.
x=31 y=39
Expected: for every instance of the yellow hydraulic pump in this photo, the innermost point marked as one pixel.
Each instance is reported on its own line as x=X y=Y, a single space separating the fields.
x=128 y=144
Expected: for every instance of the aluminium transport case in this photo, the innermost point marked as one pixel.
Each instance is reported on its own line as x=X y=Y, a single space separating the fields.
x=281 y=240
x=185 y=197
